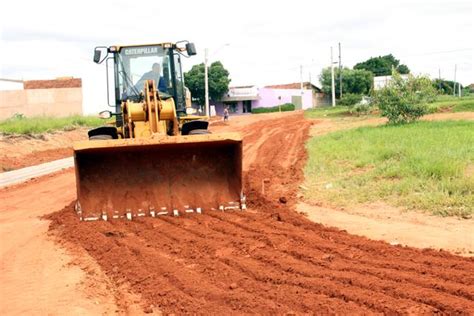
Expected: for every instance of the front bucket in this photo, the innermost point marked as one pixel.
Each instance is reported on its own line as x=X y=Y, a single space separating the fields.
x=127 y=178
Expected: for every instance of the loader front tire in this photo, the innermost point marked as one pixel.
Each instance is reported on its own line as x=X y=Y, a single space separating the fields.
x=199 y=132
x=100 y=137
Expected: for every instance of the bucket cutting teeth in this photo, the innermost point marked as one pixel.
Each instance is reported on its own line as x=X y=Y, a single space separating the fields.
x=129 y=214
x=89 y=219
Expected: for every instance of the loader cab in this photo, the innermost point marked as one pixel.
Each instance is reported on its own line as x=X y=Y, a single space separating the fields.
x=133 y=65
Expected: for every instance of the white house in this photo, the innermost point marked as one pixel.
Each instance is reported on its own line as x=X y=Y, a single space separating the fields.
x=382 y=81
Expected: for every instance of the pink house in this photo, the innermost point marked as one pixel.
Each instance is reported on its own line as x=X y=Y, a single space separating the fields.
x=243 y=99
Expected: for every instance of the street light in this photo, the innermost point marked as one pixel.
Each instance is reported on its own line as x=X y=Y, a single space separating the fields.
x=206 y=79
x=333 y=88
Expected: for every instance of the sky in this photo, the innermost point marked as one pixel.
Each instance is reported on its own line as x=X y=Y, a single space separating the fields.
x=259 y=42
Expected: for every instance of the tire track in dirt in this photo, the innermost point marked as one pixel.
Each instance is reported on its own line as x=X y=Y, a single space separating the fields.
x=224 y=261
x=455 y=290
x=448 y=286
x=373 y=257
x=270 y=259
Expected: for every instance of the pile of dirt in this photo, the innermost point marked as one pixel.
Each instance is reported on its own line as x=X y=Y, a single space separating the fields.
x=34 y=158
x=19 y=151
x=217 y=123
x=269 y=259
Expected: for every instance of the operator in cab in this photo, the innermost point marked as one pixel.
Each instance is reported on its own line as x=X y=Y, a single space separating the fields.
x=153 y=74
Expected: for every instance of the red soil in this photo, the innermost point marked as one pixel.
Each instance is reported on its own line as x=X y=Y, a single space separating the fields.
x=269 y=259
x=35 y=158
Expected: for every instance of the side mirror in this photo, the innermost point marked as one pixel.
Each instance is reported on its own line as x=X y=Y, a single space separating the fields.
x=190 y=49
x=105 y=114
x=100 y=54
x=97 y=54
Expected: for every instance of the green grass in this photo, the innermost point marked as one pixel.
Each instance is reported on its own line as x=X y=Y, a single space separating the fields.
x=41 y=124
x=453 y=104
x=328 y=112
x=424 y=166
x=284 y=107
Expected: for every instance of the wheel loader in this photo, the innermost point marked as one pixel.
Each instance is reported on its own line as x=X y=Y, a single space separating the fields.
x=155 y=156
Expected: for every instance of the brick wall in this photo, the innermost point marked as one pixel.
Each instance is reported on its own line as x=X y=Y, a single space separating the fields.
x=41 y=102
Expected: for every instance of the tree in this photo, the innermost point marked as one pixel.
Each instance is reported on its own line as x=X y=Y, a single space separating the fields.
x=382 y=65
x=403 y=69
x=218 y=82
x=353 y=81
x=445 y=86
x=404 y=100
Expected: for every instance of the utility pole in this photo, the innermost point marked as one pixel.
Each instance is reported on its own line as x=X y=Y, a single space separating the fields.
x=301 y=85
x=333 y=89
x=454 y=88
x=301 y=78
x=206 y=82
x=340 y=73
x=439 y=78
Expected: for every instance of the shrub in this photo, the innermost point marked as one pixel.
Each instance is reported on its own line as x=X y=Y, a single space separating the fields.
x=405 y=100
x=350 y=99
x=361 y=108
x=283 y=107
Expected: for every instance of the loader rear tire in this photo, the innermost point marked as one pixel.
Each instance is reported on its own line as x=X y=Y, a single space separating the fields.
x=199 y=132
x=100 y=137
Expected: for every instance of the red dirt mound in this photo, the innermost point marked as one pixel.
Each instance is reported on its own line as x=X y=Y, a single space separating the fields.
x=34 y=158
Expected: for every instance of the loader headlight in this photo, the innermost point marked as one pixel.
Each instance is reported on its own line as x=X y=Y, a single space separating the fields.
x=190 y=111
x=105 y=114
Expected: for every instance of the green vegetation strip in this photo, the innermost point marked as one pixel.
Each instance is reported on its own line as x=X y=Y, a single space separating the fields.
x=424 y=166
x=453 y=104
x=328 y=112
x=283 y=108
x=41 y=124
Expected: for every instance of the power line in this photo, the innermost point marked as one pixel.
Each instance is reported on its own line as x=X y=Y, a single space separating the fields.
x=438 y=52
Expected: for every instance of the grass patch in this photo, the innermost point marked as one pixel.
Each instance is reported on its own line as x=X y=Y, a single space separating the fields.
x=424 y=166
x=284 y=108
x=41 y=124
x=453 y=104
x=328 y=112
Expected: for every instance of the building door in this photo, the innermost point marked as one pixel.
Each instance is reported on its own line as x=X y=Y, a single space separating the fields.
x=297 y=101
x=247 y=106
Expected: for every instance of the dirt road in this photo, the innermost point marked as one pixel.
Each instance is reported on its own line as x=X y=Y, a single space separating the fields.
x=269 y=259
x=35 y=274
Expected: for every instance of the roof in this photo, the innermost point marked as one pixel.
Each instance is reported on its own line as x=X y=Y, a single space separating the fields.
x=296 y=85
x=240 y=98
x=64 y=82
x=238 y=87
